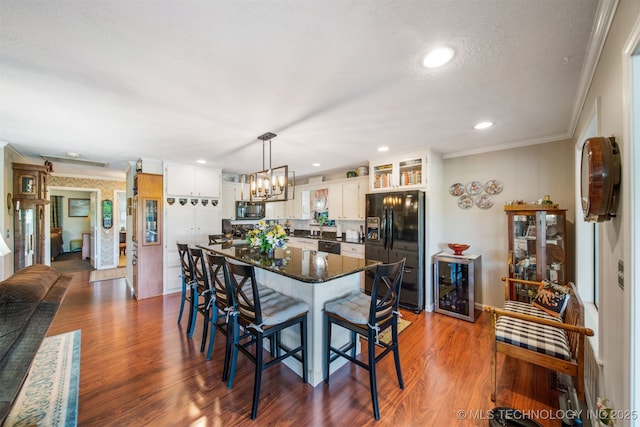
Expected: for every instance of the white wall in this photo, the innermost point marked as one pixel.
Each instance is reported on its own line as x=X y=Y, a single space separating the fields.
x=527 y=173
x=615 y=307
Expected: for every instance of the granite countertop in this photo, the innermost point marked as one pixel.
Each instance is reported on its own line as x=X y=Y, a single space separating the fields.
x=300 y=264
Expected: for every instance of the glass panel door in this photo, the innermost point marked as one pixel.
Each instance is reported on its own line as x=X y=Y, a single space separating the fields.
x=151 y=225
x=410 y=172
x=524 y=247
x=383 y=176
x=555 y=244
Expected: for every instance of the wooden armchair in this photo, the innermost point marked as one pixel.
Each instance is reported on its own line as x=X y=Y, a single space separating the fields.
x=525 y=332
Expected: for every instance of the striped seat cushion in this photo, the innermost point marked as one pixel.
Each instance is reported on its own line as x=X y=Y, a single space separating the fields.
x=532 y=336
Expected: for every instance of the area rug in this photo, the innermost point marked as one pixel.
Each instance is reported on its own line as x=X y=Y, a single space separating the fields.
x=49 y=396
x=108 y=274
x=70 y=262
x=385 y=336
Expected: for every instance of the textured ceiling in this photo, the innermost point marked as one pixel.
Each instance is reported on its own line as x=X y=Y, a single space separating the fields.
x=182 y=80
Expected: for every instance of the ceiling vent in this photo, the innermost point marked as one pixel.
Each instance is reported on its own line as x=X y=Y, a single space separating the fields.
x=74 y=160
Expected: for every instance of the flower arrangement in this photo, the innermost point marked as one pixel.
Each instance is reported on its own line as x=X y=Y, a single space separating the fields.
x=604 y=412
x=267 y=237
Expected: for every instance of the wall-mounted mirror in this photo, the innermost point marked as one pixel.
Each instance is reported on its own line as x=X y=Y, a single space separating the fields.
x=107 y=213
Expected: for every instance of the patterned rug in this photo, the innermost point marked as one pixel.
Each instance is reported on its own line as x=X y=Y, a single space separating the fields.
x=108 y=274
x=49 y=396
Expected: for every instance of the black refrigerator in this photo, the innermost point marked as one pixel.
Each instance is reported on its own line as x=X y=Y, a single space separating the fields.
x=395 y=229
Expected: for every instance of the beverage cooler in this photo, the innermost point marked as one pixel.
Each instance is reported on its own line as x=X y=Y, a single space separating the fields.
x=454 y=279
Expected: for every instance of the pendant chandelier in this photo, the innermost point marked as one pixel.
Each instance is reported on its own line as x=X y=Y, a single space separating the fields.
x=270 y=184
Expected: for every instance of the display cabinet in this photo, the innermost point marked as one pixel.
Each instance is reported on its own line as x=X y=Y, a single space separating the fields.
x=537 y=246
x=406 y=172
x=29 y=201
x=147 y=236
x=454 y=279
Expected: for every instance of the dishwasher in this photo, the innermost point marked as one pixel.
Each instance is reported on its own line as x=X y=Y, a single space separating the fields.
x=329 y=247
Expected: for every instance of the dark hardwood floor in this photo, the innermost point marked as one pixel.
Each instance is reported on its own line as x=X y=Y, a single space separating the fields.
x=138 y=367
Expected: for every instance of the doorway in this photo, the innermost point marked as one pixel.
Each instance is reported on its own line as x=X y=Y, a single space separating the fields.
x=73 y=229
x=121 y=225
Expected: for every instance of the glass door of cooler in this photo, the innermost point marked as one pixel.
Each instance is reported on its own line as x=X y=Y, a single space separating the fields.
x=150 y=233
x=454 y=281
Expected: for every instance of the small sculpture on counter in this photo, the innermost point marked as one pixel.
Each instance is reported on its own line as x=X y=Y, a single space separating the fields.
x=546 y=200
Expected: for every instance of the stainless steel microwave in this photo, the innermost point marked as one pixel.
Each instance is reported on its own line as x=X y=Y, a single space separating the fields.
x=250 y=210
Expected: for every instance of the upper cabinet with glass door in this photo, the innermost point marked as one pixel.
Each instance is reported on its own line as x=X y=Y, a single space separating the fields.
x=396 y=173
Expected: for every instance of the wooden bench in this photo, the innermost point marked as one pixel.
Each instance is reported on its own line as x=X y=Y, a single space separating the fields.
x=566 y=352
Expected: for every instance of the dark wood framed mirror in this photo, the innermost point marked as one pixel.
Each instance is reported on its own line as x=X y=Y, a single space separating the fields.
x=600 y=178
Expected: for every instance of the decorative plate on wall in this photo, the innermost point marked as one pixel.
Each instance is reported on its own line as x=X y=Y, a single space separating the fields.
x=484 y=201
x=474 y=188
x=457 y=189
x=465 y=202
x=493 y=187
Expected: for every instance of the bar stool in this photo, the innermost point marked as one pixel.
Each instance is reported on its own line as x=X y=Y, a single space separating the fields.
x=368 y=316
x=204 y=302
x=189 y=292
x=224 y=304
x=264 y=316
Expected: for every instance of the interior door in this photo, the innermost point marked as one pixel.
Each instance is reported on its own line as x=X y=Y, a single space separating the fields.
x=93 y=224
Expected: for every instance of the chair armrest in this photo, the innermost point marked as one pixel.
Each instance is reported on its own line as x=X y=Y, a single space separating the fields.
x=567 y=327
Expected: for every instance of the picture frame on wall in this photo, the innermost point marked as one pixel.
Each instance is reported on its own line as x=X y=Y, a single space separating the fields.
x=78 y=207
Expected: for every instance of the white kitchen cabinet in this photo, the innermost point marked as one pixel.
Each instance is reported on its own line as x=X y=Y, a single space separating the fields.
x=275 y=210
x=189 y=224
x=354 y=193
x=208 y=182
x=188 y=180
x=334 y=197
x=403 y=172
x=230 y=194
x=301 y=205
x=303 y=243
x=346 y=199
x=353 y=250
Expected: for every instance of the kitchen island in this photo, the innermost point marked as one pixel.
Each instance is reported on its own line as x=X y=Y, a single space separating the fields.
x=311 y=276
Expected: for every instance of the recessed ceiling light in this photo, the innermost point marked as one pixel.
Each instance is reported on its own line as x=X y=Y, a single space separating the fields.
x=438 y=57
x=73 y=155
x=316 y=165
x=383 y=149
x=483 y=125
x=201 y=161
